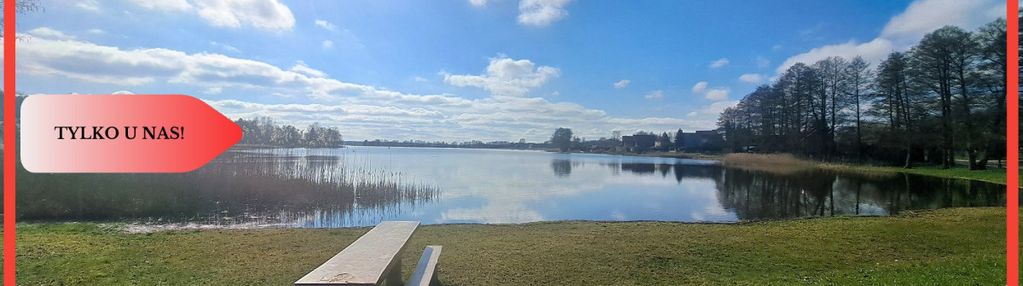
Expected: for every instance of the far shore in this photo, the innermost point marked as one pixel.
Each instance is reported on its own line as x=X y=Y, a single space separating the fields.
x=660 y=154
x=779 y=163
x=787 y=163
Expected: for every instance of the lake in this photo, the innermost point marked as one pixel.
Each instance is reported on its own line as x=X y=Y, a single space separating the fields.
x=360 y=186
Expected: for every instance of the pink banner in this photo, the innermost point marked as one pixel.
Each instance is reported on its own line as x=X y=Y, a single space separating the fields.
x=121 y=133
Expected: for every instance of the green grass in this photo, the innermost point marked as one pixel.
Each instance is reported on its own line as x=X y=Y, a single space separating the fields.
x=787 y=163
x=961 y=172
x=950 y=246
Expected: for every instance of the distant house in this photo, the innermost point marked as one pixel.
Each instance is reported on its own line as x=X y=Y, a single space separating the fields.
x=599 y=145
x=638 y=143
x=663 y=143
x=702 y=141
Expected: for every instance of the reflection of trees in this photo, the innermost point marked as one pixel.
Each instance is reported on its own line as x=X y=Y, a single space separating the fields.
x=697 y=172
x=561 y=167
x=755 y=195
x=664 y=169
x=680 y=171
x=240 y=187
x=639 y=168
x=758 y=195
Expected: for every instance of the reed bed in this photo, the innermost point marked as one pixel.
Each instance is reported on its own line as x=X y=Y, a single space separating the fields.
x=235 y=188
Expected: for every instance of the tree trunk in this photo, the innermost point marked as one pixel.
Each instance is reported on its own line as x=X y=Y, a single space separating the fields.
x=994 y=143
x=859 y=129
x=947 y=159
x=971 y=148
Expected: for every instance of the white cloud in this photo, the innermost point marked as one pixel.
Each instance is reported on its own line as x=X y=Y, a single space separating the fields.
x=541 y=12
x=622 y=83
x=225 y=47
x=495 y=118
x=302 y=68
x=269 y=15
x=164 y=5
x=419 y=79
x=327 y=44
x=478 y=3
x=907 y=28
x=719 y=63
x=924 y=16
x=711 y=111
x=88 y=5
x=96 y=31
x=700 y=87
x=261 y=14
x=657 y=94
x=93 y=63
x=325 y=25
x=88 y=62
x=717 y=94
x=507 y=77
x=361 y=111
x=237 y=104
x=714 y=94
x=122 y=92
x=873 y=52
x=753 y=78
x=46 y=32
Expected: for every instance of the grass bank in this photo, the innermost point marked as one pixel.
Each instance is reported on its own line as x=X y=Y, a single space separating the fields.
x=788 y=163
x=960 y=246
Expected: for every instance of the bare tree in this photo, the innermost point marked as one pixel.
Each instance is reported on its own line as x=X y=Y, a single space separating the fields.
x=858 y=75
x=21 y=7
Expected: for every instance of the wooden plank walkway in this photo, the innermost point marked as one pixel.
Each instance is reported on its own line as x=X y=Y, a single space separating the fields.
x=368 y=260
x=426 y=269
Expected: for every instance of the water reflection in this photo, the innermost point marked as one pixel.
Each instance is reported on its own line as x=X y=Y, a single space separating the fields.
x=754 y=196
x=361 y=186
x=561 y=167
x=758 y=195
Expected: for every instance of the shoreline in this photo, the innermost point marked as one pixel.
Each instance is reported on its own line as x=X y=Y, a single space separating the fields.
x=144 y=228
x=787 y=163
x=778 y=163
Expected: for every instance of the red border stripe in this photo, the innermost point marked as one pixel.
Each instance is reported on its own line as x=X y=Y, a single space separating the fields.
x=1012 y=134
x=1012 y=148
x=9 y=143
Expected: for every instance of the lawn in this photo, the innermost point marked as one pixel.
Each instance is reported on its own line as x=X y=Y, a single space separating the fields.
x=958 y=246
x=960 y=172
x=786 y=163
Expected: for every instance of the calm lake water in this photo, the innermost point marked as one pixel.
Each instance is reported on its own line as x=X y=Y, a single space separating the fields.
x=359 y=186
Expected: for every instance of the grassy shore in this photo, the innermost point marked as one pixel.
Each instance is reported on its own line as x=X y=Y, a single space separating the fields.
x=965 y=246
x=789 y=163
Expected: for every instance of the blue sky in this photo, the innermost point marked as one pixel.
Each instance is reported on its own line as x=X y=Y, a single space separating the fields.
x=462 y=70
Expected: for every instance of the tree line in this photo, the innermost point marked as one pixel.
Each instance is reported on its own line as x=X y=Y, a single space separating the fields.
x=564 y=141
x=264 y=131
x=942 y=98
